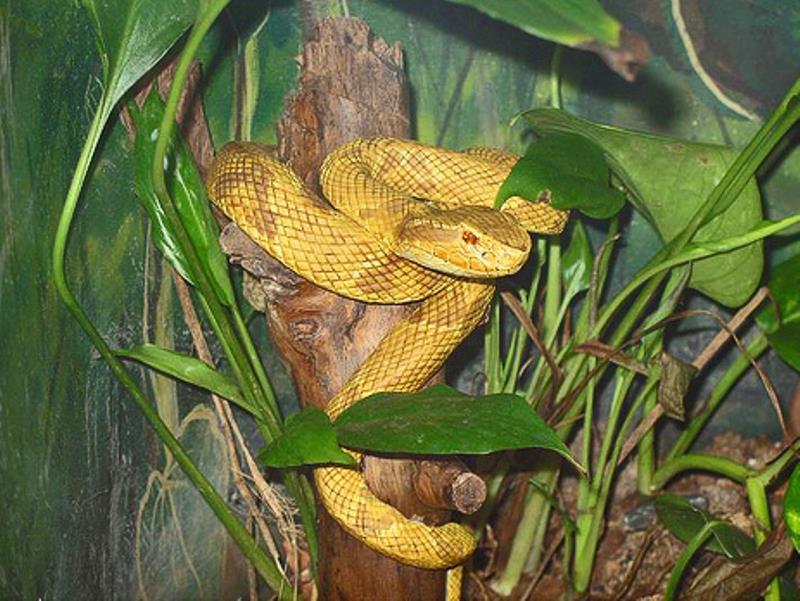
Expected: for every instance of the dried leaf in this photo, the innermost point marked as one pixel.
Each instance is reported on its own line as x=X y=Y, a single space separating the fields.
x=603 y=351
x=743 y=579
x=676 y=377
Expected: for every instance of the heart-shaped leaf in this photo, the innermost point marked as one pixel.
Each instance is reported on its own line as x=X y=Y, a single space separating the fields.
x=568 y=170
x=669 y=179
x=684 y=520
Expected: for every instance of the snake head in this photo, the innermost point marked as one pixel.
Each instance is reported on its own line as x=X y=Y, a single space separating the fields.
x=467 y=241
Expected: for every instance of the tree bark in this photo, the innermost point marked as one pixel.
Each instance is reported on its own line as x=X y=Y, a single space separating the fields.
x=352 y=85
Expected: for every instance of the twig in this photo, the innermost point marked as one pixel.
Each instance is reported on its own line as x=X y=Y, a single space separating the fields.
x=229 y=426
x=533 y=332
x=770 y=389
x=544 y=563
x=644 y=426
x=634 y=568
x=733 y=324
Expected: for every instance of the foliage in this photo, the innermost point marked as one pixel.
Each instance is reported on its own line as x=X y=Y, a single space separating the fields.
x=436 y=421
x=667 y=180
x=186 y=187
x=308 y=439
x=702 y=199
x=570 y=171
x=781 y=322
x=568 y=22
x=791 y=508
x=685 y=520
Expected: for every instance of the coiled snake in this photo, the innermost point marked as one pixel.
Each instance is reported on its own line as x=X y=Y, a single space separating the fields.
x=382 y=245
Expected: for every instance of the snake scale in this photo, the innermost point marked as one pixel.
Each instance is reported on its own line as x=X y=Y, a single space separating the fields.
x=406 y=222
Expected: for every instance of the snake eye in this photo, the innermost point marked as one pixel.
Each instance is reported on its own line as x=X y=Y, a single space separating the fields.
x=468 y=237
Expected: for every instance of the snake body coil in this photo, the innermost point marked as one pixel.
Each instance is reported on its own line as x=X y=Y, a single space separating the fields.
x=379 y=244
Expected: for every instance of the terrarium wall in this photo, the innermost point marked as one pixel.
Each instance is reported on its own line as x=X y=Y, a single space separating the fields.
x=90 y=502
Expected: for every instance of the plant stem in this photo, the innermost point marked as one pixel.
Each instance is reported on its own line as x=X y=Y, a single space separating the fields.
x=646 y=450
x=700 y=461
x=552 y=297
x=519 y=338
x=592 y=506
x=692 y=547
x=770 y=473
x=556 y=101
x=263 y=564
x=252 y=355
x=534 y=519
x=244 y=362
x=491 y=349
x=759 y=507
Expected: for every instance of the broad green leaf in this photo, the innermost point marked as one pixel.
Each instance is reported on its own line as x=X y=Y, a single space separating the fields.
x=784 y=333
x=791 y=508
x=568 y=22
x=185 y=185
x=132 y=35
x=784 y=341
x=684 y=520
x=577 y=263
x=570 y=170
x=187 y=369
x=308 y=438
x=444 y=421
x=668 y=180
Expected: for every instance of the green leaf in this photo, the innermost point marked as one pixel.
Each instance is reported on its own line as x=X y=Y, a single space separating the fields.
x=442 y=421
x=187 y=369
x=791 y=508
x=668 y=180
x=784 y=332
x=568 y=22
x=132 y=35
x=185 y=185
x=570 y=171
x=684 y=520
x=577 y=263
x=784 y=341
x=308 y=439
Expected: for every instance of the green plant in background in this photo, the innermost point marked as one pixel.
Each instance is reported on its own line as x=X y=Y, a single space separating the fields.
x=704 y=203
x=712 y=244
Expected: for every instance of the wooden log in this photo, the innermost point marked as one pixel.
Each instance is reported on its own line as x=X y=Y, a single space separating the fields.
x=352 y=84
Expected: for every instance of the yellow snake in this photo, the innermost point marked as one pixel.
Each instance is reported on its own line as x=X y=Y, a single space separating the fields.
x=381 y=243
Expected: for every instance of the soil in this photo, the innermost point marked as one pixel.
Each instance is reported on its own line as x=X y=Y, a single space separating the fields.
x=636 y=552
